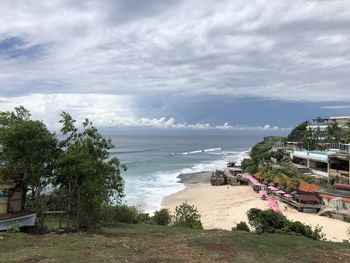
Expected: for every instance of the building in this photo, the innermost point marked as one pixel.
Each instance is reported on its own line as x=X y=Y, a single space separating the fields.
x=321 y=124
x=318 y=162
x=336 y=202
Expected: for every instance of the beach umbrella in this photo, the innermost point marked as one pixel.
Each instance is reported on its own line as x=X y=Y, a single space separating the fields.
x=272 y=188
x=288 y=195
x=271 y=184
x=265 y=182
x=280 y=192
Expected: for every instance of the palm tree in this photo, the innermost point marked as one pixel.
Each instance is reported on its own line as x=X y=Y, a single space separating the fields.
x=334 y=133
x=347 y=133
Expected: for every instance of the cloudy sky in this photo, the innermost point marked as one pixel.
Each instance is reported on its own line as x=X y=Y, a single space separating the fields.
x=177 y=64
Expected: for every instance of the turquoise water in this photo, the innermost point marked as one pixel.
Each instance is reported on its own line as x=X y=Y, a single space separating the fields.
x=154 y=162
x=321 y=153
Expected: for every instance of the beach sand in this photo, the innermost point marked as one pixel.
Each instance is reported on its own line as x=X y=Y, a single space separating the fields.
x=222 y=207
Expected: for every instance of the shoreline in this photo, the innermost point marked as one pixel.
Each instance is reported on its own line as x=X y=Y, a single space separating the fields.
x=222 y=207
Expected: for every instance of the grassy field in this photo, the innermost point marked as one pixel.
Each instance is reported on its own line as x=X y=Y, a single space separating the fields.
x=148 y=243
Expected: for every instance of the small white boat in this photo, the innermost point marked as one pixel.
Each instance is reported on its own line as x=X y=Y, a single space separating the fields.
x=21 y=219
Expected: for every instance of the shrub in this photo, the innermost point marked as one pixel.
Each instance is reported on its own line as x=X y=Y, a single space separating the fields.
x=305 y=230
x=242 y=226
x=161 y=217
x=187 y=216
x=108 y=215
x=144 y=218
x=269 y=221
x=14 y=228
x=266 y=221
x=127 y=214
x=120 y=213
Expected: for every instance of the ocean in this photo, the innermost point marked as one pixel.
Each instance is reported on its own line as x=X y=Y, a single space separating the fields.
x=154 y=162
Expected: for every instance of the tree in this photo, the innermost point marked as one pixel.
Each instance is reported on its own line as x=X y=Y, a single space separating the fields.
x=299 y=132
x=334 y=132
x=187 y=216
x=86 y=172
x=27 y=153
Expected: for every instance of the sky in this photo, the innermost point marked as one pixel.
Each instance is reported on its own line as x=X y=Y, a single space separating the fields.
x=193 y=65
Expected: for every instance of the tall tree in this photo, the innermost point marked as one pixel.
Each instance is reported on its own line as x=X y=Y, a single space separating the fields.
x=86 y=172
x=298 y=133
x=27 y=153
x=334 y=132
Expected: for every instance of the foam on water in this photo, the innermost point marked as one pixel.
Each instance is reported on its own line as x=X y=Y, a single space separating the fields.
x=154 y=162
x=148 y=194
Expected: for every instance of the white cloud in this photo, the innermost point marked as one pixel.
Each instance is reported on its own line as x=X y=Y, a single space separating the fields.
x=336 y=107
x=104 y=111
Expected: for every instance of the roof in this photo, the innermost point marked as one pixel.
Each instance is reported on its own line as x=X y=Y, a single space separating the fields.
x=306 y=187
x=340 y=118
x=307 y=197
x=334 y=193
x=342 y=186
x=327 y=196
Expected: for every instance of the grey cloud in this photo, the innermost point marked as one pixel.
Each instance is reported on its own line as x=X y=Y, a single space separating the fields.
x=131 y=10
x=287 y=50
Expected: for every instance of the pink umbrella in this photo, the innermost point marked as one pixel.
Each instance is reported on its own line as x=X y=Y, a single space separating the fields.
x=272 y=188
x=280 y=192
x=288 y=195
x=273 y=204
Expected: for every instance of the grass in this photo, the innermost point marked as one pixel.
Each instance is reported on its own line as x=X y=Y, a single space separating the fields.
x=148 y=243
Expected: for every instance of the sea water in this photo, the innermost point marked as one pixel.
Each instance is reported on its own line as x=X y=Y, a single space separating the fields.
x=154 y=162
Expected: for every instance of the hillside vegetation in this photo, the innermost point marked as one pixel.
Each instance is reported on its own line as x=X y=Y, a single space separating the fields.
x=151 y=243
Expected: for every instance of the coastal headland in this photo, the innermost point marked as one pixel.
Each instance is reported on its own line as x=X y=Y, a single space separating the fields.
x=222 y=207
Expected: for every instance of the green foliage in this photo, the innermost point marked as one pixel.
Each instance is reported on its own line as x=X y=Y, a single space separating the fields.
x=145 y=218
x=248 y=163
x=334 y=132
x=127 y=214
x=241 y=226
x=28 y=151
x=86 y=173
x=296 y=227
x=161 y=217
x=269 y=221
x=299 y=132
x=266 y=221
x=187 y=216
x=112 y=214
x=15 y=228
x=260 y=155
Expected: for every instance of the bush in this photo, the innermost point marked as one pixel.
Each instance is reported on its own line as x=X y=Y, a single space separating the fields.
x=242 y=226
x=161 y=217
x=305 y=230
x=110 y=215
x=269 y=221
x=127 y=214
x=187 y=216
x=14 y=228
x=266 y=221
x=145 y=218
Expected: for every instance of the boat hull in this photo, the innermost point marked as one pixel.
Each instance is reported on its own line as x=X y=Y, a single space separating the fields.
x=21 y=221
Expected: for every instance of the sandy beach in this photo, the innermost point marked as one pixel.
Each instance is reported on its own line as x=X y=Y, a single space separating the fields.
x=222 y=207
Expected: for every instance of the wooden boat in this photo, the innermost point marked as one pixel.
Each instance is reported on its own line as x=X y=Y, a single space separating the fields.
x=20 y=219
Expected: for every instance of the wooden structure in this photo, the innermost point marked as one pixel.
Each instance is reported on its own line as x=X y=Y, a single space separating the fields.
x=303 y=202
